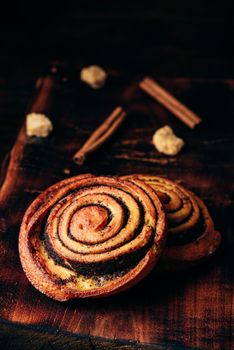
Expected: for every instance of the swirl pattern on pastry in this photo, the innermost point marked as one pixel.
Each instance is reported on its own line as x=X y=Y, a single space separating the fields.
x=91 y=236
x=191 y=234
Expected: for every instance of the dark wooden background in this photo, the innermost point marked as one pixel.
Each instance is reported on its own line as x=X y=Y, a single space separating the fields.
x=187 y=46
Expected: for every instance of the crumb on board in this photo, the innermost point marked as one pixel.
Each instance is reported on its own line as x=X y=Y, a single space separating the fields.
x=66 y=171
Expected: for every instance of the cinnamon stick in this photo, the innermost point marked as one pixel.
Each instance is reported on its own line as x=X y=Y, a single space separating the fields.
x=101 y=134
x=170 y=102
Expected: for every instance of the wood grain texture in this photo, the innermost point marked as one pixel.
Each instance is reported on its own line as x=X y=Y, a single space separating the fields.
x=170 y=312
x=31 y=338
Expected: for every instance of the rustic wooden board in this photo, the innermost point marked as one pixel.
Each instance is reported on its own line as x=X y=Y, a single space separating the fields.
x=170 y=312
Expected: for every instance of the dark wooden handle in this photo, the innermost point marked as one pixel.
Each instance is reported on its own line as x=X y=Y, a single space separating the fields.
x=44 y=96
x=42 y=103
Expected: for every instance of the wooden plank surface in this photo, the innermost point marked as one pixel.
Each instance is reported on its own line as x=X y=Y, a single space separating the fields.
x=170 y=312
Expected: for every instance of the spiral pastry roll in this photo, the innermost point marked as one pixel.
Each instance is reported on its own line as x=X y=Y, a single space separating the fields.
x=191 y=235
x=91 y=236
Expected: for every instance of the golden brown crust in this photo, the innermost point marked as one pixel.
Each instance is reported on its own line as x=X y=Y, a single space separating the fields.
x=191 y=233
x=91 y=236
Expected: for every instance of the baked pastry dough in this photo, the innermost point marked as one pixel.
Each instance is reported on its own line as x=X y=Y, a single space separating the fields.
x=90 y=236
x=191 y=234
